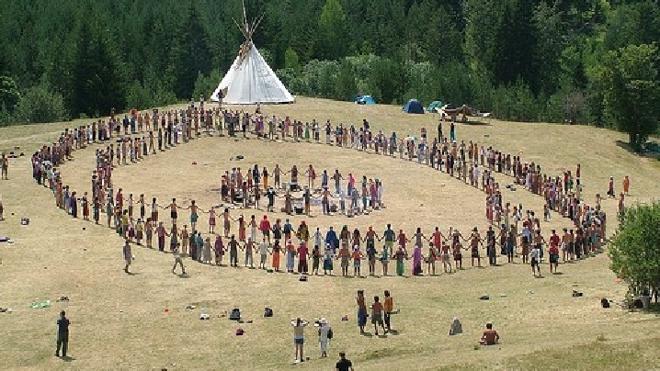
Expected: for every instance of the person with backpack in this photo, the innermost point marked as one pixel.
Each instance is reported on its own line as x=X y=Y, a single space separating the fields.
x=325 y=335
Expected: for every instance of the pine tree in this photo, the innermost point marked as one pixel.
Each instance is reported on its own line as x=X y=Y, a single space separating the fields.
x=97 y=81
x=190 y=54
x=332 y=29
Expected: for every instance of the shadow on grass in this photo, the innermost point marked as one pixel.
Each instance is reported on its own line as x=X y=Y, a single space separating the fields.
x=645 y=153
x=67 y=359
x=476 y=123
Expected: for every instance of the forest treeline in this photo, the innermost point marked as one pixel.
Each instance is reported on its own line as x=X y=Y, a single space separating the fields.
x=533 y=60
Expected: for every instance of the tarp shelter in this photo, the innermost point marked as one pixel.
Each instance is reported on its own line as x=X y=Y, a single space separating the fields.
x=434 y=106
x=365 y=99
x=413 y=106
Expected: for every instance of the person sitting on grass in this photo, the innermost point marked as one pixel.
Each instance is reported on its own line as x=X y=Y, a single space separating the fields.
x=490 y=336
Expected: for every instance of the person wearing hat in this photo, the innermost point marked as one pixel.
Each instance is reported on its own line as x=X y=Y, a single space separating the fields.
x=325 y=334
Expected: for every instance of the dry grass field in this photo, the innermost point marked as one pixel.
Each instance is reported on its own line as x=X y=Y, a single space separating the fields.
x=139 y=321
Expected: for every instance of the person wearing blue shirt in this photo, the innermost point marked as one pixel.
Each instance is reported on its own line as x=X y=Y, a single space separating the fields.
x=332 y=240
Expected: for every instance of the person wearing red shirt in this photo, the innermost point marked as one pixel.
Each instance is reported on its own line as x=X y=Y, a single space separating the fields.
x=302 y=257
x=553 y=251
x=264 y=227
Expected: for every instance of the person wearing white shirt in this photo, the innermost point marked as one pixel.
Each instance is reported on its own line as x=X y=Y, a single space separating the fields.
x=263 y=252
x=325 y=334
x=534 y=257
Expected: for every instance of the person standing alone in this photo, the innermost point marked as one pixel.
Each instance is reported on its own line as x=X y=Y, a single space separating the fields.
x=343 y=364
x=62 y=335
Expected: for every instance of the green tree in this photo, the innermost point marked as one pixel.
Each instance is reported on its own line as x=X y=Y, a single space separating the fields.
x=633 y=24
x=291 y=59
x=205 y=85
x=332 y=30
x=549 y=28
x=190 y=54
x=632 y=91
x=635 y=248
x=40 y=104
x=97 y=79
x=9 y=94
x=346 y=88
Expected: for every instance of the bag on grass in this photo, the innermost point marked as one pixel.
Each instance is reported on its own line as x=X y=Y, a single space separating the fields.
x=235 y=314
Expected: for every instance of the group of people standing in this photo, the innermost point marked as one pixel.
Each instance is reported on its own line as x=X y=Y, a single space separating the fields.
x=247 y=190
x=128 y=214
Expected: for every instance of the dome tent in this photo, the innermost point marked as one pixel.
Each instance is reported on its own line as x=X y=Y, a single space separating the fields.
x=365 y=99
x=413 y=106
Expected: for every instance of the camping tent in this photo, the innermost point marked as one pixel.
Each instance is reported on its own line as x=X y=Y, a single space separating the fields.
x=250 y=80
x=413 y=106
x=365 y=99
x=434 y=106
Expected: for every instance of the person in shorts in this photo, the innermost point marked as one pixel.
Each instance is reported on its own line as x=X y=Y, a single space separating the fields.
x=299 y=338
x=553 y=251
x=377 y=315
x=534 y=257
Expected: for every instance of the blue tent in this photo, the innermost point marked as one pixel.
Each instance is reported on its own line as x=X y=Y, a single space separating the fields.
x=434 y=106
x=413 y=106
x=365 y=99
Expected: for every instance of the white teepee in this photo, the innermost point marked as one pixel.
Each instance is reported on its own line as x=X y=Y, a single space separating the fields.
x=250 y=80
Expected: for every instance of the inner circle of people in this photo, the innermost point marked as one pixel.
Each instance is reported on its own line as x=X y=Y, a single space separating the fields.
x=515 y=230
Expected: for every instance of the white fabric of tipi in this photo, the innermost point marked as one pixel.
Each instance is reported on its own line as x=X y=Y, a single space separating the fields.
x=250 y=80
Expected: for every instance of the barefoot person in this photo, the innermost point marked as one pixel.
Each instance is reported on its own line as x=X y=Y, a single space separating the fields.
x=299 y=338
x=534 y=257
x=178 y=260
x=388 y=309
x=128 y=255
x=377 y=315
x=362 y=311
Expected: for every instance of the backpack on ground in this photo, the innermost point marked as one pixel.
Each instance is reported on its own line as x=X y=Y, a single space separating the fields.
x=235 y=314
x=268 y=312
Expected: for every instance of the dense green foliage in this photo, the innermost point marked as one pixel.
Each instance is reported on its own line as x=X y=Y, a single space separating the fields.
x=632 y=92
x=635 y=249
x=521 y=59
